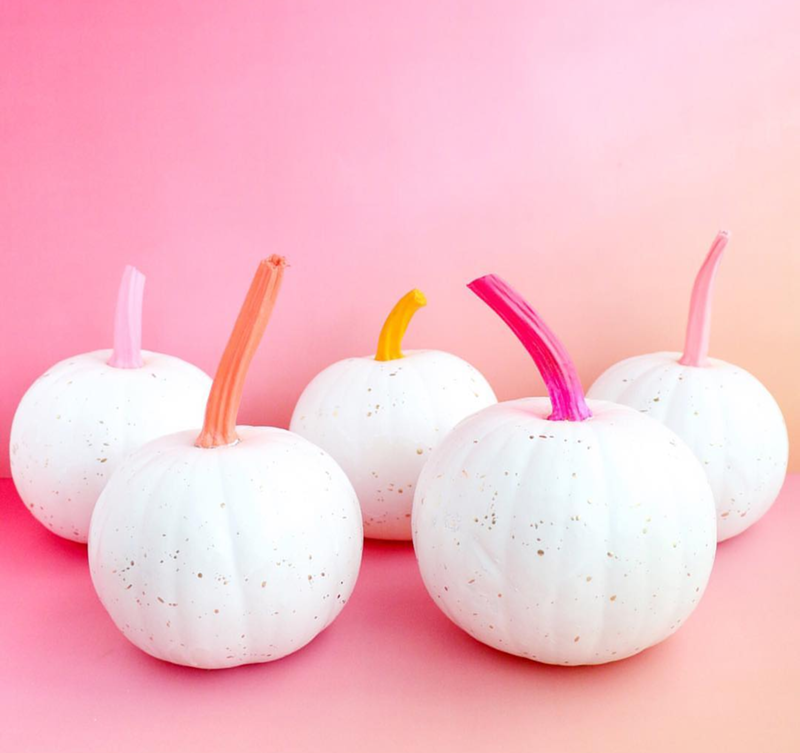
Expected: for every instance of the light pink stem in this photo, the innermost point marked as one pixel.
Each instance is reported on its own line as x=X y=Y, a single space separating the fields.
x=698 y=330
x=551 y=358
x=128 y=321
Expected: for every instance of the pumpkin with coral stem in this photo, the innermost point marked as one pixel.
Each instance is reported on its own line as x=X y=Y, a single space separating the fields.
x=380 y=417
x=562 y=530
x=85 y=414
x=725 y=415
x=232 y=547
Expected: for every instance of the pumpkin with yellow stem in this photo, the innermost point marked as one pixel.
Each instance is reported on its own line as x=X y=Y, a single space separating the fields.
x=381 y=416
x=232 y=547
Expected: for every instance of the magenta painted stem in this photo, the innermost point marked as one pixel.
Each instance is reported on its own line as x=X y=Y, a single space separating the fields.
x=551 y=358
x=698 y=330
x=128 y=321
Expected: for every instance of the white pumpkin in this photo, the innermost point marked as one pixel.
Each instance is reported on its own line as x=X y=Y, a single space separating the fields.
x=381 y=416
x=232 y=547
x=564 y=531
x=726 y=416
x=85 y=414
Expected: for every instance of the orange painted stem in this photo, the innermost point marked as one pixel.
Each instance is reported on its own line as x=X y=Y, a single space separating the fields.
x=219 y=428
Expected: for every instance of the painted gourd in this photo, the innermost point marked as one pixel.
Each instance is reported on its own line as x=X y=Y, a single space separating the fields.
x=561 y=530
x=233 y=547
x=725 y=415
x=381 y=416
x=79 y=419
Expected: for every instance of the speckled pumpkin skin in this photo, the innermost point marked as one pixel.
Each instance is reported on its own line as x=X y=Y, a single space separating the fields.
x=232 y=555
x=726 y=416
x=380 y=420
x=78 y=420
x=564 y=542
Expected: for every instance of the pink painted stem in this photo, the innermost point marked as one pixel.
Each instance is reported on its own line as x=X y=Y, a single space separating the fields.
x=551 y=358
x=698 y=330
x=128 y=321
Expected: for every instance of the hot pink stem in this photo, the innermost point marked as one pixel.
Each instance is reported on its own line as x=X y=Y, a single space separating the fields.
x=698 y=330
x=551 y=358
x=128 y=321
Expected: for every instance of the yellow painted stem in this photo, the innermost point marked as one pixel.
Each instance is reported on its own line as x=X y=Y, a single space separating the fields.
x=396 y=324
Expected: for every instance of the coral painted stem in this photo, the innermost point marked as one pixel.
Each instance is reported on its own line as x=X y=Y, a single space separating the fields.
x=551 y=358
x=698 y=330
x=128 y=321
x=396 y=323
x=219 y=428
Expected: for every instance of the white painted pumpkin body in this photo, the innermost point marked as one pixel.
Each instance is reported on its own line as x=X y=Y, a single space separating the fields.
x=726 y=416
x=226 y=556
x=561 y=541
x=82 y=417
x=380 y=420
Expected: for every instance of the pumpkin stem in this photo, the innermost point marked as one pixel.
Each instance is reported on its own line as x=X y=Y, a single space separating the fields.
x=219 y=428
x=551 y=358
x=698 y=330
x=391 y=337
x=128 y=321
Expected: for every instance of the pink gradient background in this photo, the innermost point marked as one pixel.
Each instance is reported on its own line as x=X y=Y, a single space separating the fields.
x=588 y=152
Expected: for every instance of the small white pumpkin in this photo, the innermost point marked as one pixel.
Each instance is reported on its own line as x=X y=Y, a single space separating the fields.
x=381 y=416
x=559 y=530
x=232 y=547
x=726 y=416
x=79 y=419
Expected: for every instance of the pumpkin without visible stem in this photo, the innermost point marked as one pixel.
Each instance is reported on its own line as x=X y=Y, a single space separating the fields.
x=565 y=531
x=79 y=419
x=232 y=547
x=380 y=417
x=727 y=417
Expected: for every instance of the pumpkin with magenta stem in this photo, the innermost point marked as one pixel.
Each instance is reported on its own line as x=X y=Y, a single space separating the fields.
x=234 y=546
x=726 y=416
x=381 y=416
x=79 y=419
x=566 y=531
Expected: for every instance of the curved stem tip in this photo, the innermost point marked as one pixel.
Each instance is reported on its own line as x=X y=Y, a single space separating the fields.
x=391 y=337
x=219 y=428
x=698 y=330
x=551 y=358
x=128 y=321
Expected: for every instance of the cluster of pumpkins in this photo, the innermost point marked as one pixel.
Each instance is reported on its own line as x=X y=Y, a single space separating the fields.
x=563 y=529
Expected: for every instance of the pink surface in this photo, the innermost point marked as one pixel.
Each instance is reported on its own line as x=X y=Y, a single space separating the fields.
x=585 y=150
x=393 y=674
